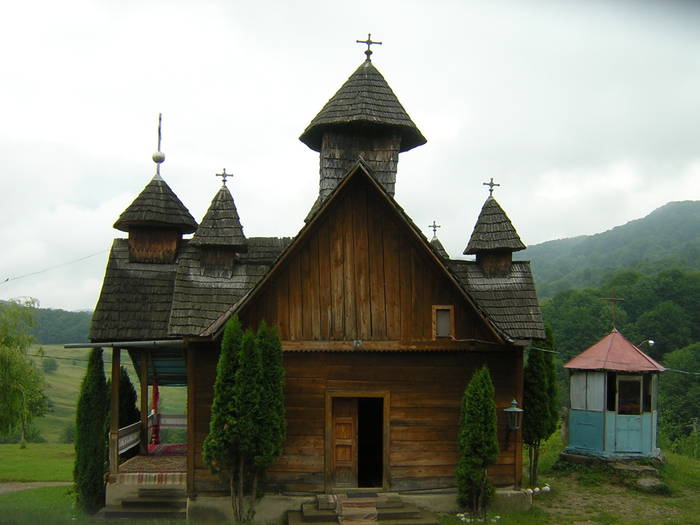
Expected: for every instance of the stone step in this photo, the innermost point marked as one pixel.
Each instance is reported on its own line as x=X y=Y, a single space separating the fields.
x=295 y=517
x=180 y=503
x=170 y=493
x=312 y=514
x=114 y=511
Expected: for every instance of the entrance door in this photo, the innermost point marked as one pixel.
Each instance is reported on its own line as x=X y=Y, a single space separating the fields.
x=357 y=441
x=345 y=441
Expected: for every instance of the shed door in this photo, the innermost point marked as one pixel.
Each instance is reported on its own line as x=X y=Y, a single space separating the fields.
x=345 y=441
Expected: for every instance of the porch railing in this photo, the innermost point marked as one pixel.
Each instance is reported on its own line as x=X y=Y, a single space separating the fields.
x=130 y=435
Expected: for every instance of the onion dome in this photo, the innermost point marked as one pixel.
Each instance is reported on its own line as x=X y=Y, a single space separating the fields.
x=493 y=231
x=156 y=206
x=364 y=102
x=221 y=225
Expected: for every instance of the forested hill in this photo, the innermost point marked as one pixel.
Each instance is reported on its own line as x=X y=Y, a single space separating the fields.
x=669 y=237
x=53 y=327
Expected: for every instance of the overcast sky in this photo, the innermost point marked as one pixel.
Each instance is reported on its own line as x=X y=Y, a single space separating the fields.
x=586 y=113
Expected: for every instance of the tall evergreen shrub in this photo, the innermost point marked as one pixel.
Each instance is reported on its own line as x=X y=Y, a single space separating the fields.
x=90 y=439
x=540 y=402
x=478 y=443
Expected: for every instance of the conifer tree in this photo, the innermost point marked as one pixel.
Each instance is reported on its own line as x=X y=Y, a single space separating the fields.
x=273 y=430
x=220 y=448
x=90 y=439
x=540 y=415
x=478 y=442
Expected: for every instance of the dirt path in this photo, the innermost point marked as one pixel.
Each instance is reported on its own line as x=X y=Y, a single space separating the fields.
x=15 y=486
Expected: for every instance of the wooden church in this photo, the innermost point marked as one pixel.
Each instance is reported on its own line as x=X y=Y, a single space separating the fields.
x=381 y=330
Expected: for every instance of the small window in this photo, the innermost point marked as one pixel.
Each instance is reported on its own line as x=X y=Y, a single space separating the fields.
x=629 y=395
x=443 y=321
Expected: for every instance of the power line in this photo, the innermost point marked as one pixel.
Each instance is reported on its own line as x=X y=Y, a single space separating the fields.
x=8 y=279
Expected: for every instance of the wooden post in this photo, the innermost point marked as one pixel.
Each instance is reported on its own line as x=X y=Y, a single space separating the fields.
x=143 y=378
x=520 y=382
x=191 y=413
x=114 y=415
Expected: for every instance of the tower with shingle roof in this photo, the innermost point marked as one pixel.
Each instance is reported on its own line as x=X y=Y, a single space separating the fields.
x=363 y=119
x=494 y=239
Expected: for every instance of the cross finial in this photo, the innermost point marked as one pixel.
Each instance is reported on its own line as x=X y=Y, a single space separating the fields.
x=613 y=300
x=223 y=176
x=369 y=42
x=434 y=226
x=490 y=184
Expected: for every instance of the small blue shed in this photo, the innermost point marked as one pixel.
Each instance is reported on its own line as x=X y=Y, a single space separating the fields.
x=613 y=387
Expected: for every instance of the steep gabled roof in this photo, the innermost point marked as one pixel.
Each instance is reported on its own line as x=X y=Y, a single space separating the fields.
x=364 y=100
x=156 y=205
x=614 y=352
x=135 y=299
x=493 y=231
x=359 y=169
x=510 y=299
x=201 y=295
x=221 y=225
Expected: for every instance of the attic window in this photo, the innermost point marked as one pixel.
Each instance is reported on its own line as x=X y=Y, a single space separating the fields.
x=443 y=321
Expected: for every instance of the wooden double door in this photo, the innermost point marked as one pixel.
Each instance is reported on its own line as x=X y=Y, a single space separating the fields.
x=358 y=437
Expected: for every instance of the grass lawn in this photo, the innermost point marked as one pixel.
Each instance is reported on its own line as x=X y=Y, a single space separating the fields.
x=37 y=462
x=52 y=506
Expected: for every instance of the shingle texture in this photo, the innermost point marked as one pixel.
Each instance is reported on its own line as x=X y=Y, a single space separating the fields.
x=365 y=100
x=203 y=293
x=141 y=301
x=509 y=300
x=493 y=231
x=157 y=205
x=135 y=300
x=437 y=245
x=221 y=225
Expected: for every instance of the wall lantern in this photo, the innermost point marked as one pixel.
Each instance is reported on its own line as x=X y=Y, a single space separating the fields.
x=515 y=415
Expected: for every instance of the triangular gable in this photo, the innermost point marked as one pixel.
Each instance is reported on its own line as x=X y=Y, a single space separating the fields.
x=406 y=250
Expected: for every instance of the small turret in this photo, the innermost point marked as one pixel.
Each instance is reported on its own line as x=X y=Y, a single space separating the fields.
x=156 y=220
x=220 y=235
x=494 y=238
x=363 y=119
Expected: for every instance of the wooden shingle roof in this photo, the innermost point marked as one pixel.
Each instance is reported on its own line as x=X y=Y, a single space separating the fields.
x=135 y=300
x=365 y=100
x=437 y=245
x=157 y=205
x=202 y=295
x=493 y=231
x=509 y=300
x=221 y=225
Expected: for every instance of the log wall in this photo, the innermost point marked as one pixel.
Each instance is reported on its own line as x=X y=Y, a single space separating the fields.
x=425 y=391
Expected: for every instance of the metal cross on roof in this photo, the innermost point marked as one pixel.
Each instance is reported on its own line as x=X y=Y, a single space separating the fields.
x=223 y=176
x=369 y=42
x=434 y=226
x=490 y=184
x=613 y=300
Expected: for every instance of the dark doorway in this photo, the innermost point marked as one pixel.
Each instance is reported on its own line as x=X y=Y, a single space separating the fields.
x=370 y=436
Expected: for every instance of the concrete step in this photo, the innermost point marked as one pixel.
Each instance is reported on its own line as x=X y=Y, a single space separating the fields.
x=115 y=511
x=412 y=516
x=147 y=502
x=170 y=493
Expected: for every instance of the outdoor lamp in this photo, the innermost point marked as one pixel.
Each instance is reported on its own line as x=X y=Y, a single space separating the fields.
x=515 y=415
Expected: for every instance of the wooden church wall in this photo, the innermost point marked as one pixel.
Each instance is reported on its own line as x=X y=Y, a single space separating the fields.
x=424 y=394
x=359 y=275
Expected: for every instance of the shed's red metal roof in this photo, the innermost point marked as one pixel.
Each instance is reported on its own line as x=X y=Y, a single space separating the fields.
x=614 y=352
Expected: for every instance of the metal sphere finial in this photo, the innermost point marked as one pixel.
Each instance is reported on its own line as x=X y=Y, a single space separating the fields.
x=158 y=157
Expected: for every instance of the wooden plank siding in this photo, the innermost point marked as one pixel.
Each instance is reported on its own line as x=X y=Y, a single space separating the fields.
x=359 y=274
x=424 y=395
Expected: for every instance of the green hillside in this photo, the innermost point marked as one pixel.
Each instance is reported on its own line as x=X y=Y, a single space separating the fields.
x=63 y=387
x=54 y=327
x=669 y=237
